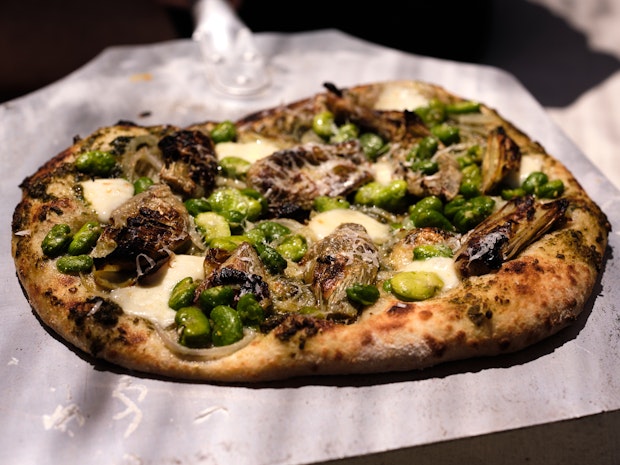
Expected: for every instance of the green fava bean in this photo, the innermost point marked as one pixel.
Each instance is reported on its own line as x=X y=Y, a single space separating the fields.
x=433 y=113
x=69 y=264
x=227 y=326
x=182 y=294
x=426 y=251
x=362 y=294
x=234 y=167
x=345 y=132
x=225 y=131
x=56 y=240
x=250 y=310
x=273 y=230
x=466 y=106
x=214 y=296
x=431 y=219
x=293 y=247
x=271 y=258
x=431 y=202
x=194 y=327
x=141 y=184
x=212 y=225
x=415 y=285
x=551 y=190
x=372 y=145
x=446 y=133
x=85 y=239
x=324 y=203
x=96 y=162
x=196 y=206
x=533 y=181
x=229 y=243
x=424 y=149
x=324 y=124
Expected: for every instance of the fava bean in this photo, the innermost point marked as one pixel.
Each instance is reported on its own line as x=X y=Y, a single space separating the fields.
x=194 y=327
x=197 y=206
x=228 y=243
x=56 y=240
x=141 y=184
x=372 y=144
x=362 y=294
x=182 y=294
x=225 y=131
x=324 y=124
x=96 y=162
x=426 y=251
x=424 y=149
x=272 y=230
x=467 y=106
x=324 y=203
x=551 y=190
x=446 y=133
x=69 y=264
x=234 y=167
x=433 y=113
x=85 y=239
x=212 y=225
x=250 y=310
x=293 y=247
x=227 y=325
x=390 y=197
x=533 y=181
x=345 y=132
x=415 y=285
x=214 y=296
x=270 y=257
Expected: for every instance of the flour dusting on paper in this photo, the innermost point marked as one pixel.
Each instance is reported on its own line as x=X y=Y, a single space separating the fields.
x=132 y=410
x=13 y=361
x=62 y=417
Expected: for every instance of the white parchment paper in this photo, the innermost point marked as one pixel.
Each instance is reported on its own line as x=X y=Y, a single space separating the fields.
x=60 y=406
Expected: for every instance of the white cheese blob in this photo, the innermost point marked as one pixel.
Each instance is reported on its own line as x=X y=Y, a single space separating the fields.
x=529 y=164
x=442 y=266
x=400 y=97
x=248 y=151
x=383 y=171
x=150 y=299
x=105 y=195
x=325 y=223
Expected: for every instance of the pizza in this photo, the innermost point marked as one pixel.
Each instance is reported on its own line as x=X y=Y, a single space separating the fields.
x=382 y=227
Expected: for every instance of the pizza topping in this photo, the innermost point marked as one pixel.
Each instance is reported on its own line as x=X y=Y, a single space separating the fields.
x=147 y=228
x=190 y=163
x=343 y=258
x=501 y=157
x=323 y=224
x=506 y=233
x=297 y=176
x=56 y=240
x=105 y=195
x=193 y=327
x=96 y=163
x=414 y=285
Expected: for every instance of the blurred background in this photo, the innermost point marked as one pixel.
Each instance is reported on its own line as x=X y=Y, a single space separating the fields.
x=566 y=53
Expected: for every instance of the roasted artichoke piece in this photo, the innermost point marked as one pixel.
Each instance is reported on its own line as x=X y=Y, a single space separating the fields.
x=345 y=257
x=190 y=163
x=392 y=125
x=445 y=183
x=244 y=271
x=296 y=176
x=502 y=156
x=505 y=233
x=143 y=232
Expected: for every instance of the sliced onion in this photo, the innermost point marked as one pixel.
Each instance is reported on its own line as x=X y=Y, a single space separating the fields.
x=211 y=353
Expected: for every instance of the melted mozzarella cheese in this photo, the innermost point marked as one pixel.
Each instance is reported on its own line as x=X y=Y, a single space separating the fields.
x=383 y=171
x=150 y=299
x=105 y=195
x=529 y=164
x=400 y=97
x=442 y=266
x=248 y=151
x=325 y=223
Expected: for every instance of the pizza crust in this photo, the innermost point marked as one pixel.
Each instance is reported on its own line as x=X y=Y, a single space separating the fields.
x=527 y=299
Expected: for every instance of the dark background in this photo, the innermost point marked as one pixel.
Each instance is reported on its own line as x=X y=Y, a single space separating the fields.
x=43 y=41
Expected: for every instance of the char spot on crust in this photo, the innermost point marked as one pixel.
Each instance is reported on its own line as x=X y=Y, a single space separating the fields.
x=504 y=344
x=437 y=347
x=425 y=315
x=516 y=267
x=367 y=339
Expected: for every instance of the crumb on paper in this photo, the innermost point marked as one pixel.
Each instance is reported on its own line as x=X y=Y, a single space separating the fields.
x=62 y=417
x=131 y=407
x=141 y=77
x=13 y=361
